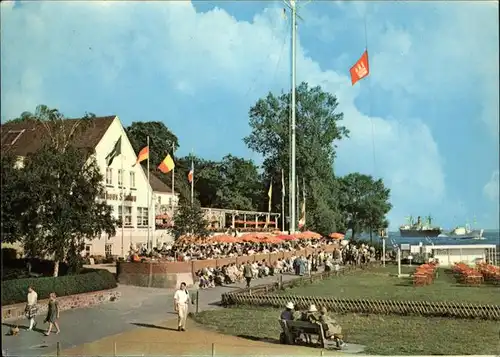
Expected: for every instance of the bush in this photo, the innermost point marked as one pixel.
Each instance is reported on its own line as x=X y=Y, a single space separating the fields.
x=14 y=273
x=14 y=291
x=9 y=254
x=38 y=266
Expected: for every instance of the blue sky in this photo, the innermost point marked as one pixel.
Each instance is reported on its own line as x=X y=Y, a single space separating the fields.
x=432 y=96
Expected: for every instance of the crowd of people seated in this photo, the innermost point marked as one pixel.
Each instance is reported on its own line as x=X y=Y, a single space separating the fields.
x=233 y=273
x=193 y=251
x=298 y=265
x=345 y=254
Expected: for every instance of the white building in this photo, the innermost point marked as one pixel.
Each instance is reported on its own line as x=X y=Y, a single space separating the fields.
x=126 y=184
x=465 y=253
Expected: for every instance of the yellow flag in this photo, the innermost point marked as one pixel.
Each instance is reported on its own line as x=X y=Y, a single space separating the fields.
x=270 y=194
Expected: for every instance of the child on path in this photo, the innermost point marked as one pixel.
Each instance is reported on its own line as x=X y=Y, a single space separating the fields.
x=52 y=314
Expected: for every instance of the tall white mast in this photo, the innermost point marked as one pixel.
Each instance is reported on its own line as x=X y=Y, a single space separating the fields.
x=150 y=193
x=292 y=123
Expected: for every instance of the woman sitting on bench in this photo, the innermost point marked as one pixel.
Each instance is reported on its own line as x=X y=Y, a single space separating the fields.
x=332 y=329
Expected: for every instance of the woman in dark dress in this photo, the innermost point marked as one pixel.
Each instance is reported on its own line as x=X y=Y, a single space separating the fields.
x=52 y=314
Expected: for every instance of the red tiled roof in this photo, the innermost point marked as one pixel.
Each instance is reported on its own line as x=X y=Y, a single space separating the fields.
x=23 y=138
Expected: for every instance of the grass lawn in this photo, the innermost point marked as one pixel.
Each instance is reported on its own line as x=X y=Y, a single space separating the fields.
x=386 y=335
x=377 y=283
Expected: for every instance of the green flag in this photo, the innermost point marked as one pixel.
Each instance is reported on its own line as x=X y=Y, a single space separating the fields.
x=117 y=150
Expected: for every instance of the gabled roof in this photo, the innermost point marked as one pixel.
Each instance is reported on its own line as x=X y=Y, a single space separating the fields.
x=26 y=137
x=158 y=185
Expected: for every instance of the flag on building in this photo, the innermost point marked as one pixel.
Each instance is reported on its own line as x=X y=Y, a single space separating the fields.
x=270 y=195
x=191 y=173
x=167 y=164
x=143 y=155
x=117 y=150
x=361 y=68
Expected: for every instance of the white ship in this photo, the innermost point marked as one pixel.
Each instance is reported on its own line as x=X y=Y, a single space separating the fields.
x=465 y=232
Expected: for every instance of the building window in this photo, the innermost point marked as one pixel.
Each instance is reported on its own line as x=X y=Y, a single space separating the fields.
x=132 y=179
x=159 y=200
x=108 y=249
x=109 y=176
x=88 y=249
x=127 y=216
x=120 y=178
x=142 y=217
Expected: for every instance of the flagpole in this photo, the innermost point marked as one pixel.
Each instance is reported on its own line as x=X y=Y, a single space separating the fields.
x=149 y=193
x=270 y=202
x=123 y=204
x=173 y=183
x=192 y=179
x=292 y=124
x=282 y=200
x=298 y=197
x=304 y=199
x=370 y=107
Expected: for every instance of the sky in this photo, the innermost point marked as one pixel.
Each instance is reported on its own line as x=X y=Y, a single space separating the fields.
x=426 y=119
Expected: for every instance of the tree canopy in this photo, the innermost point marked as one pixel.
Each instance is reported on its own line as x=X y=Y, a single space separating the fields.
x=364 y=202
x=317 y=131
x=189 y=219
x=161 y=140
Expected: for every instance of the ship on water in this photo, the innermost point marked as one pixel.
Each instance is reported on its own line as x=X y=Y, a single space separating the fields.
x=419 y=229
x=466 y=232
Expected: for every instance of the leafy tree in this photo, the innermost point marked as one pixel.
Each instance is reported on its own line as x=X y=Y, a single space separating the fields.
x=161 y=140
x=239 y=186
x=59 y=187
x=231 y=183
x=206 y=179
x=189 y=219
x=364 y=202
x=13 y=199
x=317 y=130
x=68 y=187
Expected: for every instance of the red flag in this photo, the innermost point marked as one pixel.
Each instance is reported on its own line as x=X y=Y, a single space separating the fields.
x=361 y=68
x=191 y=173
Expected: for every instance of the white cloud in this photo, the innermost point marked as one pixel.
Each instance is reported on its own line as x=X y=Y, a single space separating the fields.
x=196 y=52
x=452 y=53
x=492 y=188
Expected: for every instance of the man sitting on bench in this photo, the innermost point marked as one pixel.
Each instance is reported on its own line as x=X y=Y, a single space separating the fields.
x=288 y=313
x=332 y=329
x=309 y=316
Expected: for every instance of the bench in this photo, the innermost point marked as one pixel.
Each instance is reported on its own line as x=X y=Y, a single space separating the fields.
x=294 y=329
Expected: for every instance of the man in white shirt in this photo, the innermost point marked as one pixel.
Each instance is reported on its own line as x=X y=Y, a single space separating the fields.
x=181 y=301
x=31 y=307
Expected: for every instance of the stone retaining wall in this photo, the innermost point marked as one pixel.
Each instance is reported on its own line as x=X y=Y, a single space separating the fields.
x=16 y=311
x=161 y=274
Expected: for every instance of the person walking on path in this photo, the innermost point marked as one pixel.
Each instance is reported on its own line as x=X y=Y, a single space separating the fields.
x=31 y=307
x=248 y=273
x=52 y=314
x=181 y=302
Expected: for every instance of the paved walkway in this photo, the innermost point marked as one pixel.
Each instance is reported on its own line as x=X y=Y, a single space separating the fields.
x=137 y=306
x=163 y=339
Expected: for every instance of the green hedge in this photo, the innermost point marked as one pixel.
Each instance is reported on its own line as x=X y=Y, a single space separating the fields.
x=14 y=291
